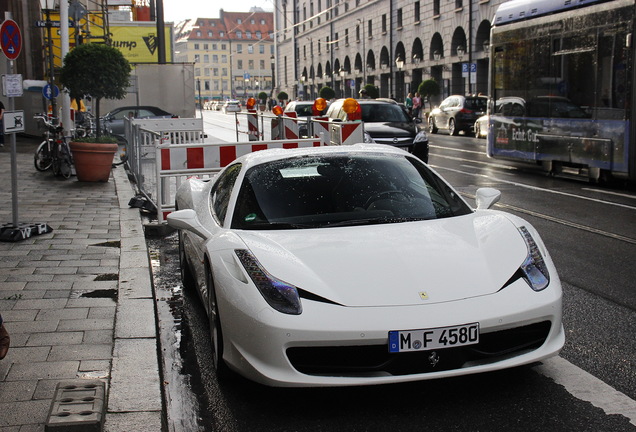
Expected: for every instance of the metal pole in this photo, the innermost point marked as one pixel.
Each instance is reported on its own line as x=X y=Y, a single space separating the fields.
x=66 y=100
x=54 y=119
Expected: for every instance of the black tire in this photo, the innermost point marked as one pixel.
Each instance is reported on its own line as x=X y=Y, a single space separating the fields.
x=66 y=162
x=216 y=332
x=452 y=129
x=432 y=128
x=187 y=279
x=42 y=158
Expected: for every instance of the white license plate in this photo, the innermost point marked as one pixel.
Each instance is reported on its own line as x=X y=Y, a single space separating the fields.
x=433 y=338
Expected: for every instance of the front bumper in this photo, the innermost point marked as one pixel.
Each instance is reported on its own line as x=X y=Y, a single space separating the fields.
x=330 y=345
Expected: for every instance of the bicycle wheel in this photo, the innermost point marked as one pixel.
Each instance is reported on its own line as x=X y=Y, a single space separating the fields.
x=42 y=157
x=66 y=162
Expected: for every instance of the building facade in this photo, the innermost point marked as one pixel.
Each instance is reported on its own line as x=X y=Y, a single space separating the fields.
x=232 y=54
x=392 y=44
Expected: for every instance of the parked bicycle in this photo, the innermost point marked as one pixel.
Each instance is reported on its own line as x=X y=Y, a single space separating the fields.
x=53 y=152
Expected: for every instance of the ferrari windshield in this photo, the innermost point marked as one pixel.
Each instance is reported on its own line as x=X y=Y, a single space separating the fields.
x=342 y=189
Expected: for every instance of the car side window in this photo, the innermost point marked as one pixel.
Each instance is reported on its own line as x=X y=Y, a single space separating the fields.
x=222 y=191
x=145 y=113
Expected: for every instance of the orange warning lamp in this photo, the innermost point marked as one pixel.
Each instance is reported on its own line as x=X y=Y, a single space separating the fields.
x=277 y=110
x=352 y=108
x=320 y=104
x=250 y=103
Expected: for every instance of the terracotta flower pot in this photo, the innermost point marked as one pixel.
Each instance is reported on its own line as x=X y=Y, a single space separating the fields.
x=93 y=161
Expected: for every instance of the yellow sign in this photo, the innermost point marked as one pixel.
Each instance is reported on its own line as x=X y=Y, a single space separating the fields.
x=139 y=43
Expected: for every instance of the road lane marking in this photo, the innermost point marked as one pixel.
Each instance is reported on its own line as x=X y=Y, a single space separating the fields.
x=587 y=387
x=522 y=185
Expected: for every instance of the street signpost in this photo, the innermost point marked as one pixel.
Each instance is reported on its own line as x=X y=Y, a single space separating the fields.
x=10 y=39
x=50 y=92
x=13 y=122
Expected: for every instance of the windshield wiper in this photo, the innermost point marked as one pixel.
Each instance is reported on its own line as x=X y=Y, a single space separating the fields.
x=373 y=221
x=276 y=225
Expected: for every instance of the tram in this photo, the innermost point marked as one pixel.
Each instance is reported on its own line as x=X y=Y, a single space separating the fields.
x=561 y=83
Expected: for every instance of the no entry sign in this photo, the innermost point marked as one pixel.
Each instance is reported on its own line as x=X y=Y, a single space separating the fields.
x=10 y=39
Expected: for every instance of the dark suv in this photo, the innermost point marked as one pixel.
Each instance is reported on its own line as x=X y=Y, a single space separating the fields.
x=387 y=123
x=457 y=113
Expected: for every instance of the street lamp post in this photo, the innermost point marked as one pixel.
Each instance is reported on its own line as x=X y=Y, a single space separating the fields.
x=342 y=73
x=272 y=62
x=460 y=53
x=47 y=6
x=399 y=62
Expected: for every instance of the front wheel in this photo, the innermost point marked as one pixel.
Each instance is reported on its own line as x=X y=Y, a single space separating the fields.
x=42 y=158
x=431 y=125
x=216 y=334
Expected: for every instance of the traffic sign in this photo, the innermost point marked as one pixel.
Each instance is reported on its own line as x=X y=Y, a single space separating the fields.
x=13 y=121
x=10 y=39
x=50 y=92
x=12 y=85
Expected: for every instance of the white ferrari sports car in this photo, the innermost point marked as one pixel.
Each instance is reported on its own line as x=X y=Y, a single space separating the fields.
x=355 y=265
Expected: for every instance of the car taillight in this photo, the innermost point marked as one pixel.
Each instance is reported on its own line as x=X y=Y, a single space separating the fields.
x=466 y=111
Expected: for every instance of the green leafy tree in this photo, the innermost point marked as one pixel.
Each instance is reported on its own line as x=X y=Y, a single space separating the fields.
x=427 y=89
x=262 y=96
x=372 y=91
x=98 y=70
x=327 y=93
x=282 y=96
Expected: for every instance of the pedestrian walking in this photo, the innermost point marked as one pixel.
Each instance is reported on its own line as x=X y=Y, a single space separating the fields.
x=1 y=124
x=5 y=340
x=408 y=102
x=417 y=105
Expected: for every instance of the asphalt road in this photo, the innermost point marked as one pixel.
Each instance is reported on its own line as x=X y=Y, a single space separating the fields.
x=590 y=232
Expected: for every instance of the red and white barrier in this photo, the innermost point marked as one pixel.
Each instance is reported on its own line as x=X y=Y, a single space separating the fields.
x=178 y=161
x=252 y=125
x=346 y=133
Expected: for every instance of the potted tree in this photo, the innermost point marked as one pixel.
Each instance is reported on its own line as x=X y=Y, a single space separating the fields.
x=262 y=98
x=428 y=89
x=327 y=93
x=100 y=71
x=282 y=97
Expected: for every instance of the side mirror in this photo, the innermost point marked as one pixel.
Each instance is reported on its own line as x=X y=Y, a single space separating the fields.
x=417 y=120
x=187 y=220
x=487 y=197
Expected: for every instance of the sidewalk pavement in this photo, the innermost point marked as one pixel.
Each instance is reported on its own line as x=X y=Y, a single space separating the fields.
x=78 y=301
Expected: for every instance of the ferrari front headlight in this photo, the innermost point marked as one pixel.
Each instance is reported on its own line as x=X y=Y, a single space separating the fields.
x=534 y=270
x=280 y=295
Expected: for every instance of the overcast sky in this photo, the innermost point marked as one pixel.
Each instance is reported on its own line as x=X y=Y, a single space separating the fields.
x=179 y=10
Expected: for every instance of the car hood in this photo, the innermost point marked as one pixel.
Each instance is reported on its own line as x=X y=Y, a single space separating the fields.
x=389 y=129
x=409 y=263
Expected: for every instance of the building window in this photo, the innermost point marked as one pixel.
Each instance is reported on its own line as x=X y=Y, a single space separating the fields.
x=261 y=64
x=435 y=7
x=369 y=28
x=215 y=71
x=258 y=34
x=198 y=33
x=248 y=34
x=335 y=40
x=239 y=48
x=250 y=64
x=214 y=46
x=262 y=22
x=196 y=46
x=399 y=17
x=197 y=59
x=459 y=4
x=417 y=11
x=210 y=33
x=205 y=46
x=224 y=72
x=261 y=49
x=239 y=21
x=346 y=37
x=223 y=47
x=358 y=33
x=239 y=34
x=222 y=34
x=215 y=58
x=206 y=85
x=384 y=23
x=250 y=49
x=239 y=64
x=206 y=72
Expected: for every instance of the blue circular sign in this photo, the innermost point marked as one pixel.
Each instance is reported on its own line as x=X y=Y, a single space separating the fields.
x=50 y=92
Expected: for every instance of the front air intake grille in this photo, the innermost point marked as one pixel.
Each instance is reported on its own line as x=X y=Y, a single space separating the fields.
x=376 y=359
